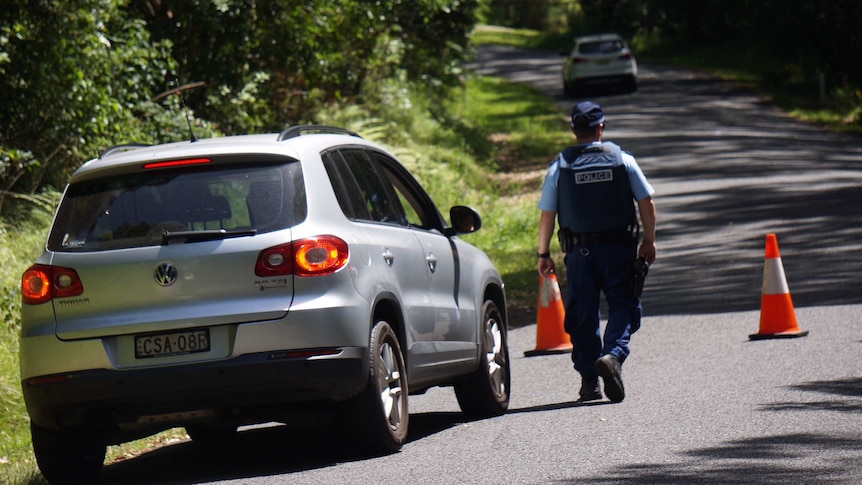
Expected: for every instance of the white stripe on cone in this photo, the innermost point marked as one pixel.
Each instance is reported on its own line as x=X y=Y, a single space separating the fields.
x=550 y=291
x=774 y=282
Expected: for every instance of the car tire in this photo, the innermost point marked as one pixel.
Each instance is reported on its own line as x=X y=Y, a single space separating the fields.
x=485 y=392
x=379 y=415
x=67 y=457
x=207 y=435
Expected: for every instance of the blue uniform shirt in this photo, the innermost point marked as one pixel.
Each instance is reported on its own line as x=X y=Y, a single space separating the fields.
x=548 y=201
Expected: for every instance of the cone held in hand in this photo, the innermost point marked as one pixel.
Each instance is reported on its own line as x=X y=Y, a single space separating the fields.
x=777 y=316
x=551 y=336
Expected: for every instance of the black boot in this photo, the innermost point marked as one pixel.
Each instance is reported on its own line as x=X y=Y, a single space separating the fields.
x=610 y=369
x=590 y=390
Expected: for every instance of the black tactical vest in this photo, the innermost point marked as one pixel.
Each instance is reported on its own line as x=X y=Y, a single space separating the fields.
x=594 y=191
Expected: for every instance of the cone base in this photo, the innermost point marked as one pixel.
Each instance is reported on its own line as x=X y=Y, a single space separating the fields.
x=555 y=350
x=764 y=336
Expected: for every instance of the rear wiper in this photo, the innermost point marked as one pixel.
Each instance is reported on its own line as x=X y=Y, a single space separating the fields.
x=173 y=237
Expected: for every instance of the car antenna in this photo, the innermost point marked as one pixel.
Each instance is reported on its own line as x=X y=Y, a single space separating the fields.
x=179 y=92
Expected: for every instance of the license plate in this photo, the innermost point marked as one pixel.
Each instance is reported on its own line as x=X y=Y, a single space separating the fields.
x=173 y=343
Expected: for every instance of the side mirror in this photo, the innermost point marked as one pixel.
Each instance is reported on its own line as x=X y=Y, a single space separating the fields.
x=464 y=220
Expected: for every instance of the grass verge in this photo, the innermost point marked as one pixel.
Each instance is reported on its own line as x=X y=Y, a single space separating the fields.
x=19 y=245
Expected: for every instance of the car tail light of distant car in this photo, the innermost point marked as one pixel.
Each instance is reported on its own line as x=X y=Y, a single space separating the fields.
x=42 y=283
x=316 y=256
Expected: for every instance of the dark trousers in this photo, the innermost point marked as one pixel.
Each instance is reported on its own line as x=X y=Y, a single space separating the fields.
x=592 y=270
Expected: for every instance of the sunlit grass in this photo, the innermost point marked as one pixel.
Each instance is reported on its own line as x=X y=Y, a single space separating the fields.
x=534 y=39
x=490 y=34
x=534 y=127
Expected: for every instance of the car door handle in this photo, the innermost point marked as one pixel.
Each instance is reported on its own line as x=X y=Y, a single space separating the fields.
x=432 y=262
x=388 y=257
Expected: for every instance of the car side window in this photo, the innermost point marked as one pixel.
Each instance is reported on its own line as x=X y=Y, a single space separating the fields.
x=377 y=201
x=413 y=217
x=346 y=187
x=417 y=205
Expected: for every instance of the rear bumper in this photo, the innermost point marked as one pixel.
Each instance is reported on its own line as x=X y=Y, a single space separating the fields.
x=619 y=79
x=243 y=386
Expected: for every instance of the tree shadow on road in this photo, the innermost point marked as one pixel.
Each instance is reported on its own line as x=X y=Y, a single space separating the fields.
x=771 y=459
x=767 y=460
x=849 y=389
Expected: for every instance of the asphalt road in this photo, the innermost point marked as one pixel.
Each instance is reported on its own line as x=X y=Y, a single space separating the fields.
x=705 y=404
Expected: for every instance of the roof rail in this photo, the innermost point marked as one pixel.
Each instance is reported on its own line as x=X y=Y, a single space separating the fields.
x=294 y=131
x=122 y=148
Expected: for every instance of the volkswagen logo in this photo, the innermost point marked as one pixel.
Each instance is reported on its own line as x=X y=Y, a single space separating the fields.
x=165 y=274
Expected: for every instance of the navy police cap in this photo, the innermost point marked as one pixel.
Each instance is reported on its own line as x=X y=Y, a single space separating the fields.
x=587 y=113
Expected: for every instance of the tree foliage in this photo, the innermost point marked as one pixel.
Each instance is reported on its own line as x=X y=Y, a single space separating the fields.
x=77 y=76
x=812 y=34
x=267 y=63
x=74 y=75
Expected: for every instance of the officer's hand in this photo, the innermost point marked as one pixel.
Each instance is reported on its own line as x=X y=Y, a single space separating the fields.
x=546 y=266
x=647 y=251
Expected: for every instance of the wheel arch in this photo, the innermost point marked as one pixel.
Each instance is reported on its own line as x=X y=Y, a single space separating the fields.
x=387 y=308
x=495 y=293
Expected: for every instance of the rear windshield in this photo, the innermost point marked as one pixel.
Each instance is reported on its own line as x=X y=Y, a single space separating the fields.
x=133 y=210
x=603 y=47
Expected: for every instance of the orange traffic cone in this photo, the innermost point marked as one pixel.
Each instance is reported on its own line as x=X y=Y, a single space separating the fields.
x=551 y=336
x=777 y=317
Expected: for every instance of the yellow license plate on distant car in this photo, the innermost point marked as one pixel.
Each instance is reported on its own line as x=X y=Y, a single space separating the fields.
x=172 y=343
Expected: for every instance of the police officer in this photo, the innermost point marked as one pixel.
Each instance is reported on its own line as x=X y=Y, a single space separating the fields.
x=593 y=189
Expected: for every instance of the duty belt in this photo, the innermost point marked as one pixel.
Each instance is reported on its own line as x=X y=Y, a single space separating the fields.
x=571 y=240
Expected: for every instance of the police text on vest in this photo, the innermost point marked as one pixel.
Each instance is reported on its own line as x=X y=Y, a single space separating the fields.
x=594 y=177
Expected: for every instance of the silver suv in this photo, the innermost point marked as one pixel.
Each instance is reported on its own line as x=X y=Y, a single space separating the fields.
x=248 y=279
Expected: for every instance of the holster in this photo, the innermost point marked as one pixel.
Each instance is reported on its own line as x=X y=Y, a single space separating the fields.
x=567 y=243
x=640 y=268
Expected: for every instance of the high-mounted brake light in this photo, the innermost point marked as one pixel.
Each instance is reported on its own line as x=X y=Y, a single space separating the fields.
x=42 y=283
x=177 y=163
x=314 y=256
